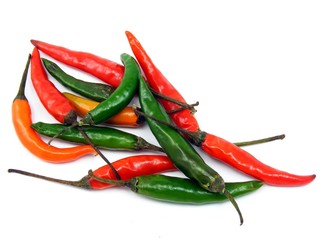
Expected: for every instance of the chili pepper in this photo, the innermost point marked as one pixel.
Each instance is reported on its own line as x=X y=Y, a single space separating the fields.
x=179 y=190
x=160 y=84
x=120 y=98
x=127 y=167
x=102 y=137
x=178 y=149
x=104 y=69
x=215 y=146
x=92 y=90
x=52 y=99
x=160 y=187
x=126 y=118
x=21 y=117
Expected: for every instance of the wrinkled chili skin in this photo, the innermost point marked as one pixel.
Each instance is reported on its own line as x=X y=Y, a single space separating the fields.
x=104 y=69
x=234 y=156
x=51 y=98
x=102 y=137
x=96 y=91
x=132 y=166
x=179 y=150
x=22 y=120
x=160 y=84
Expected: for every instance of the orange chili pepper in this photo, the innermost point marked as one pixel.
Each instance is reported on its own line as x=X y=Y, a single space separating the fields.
x=21 y=117
x=126 y=118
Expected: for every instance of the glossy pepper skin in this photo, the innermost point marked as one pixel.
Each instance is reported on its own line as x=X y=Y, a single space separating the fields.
x=154 y=186
x=185 y=191
x=51 y=98
x=95 y=91
x=179 y=190
x=102 y=137
x=243 y=161
x=179 y=150
x=128 y=168
x=120 y=98
x=217 y=147
x=104 y=69
x=125 y=118
x=22 y=120
x=160 y=84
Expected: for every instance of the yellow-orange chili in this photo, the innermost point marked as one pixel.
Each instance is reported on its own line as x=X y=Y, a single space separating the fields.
x=21 y=117
x=126 y=118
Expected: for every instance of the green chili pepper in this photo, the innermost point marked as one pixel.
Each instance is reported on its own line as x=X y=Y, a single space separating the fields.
x=179 y=150
x=179 y=190
x=120 y=98
x=102 y=137
x=95 y=91
x=160 y=187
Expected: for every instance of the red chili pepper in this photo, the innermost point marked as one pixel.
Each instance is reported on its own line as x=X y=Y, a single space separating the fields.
x=245 y=162
x=51 y=98
x=22 y=120
x=104 y=69
x=216 y=147
x=128 y=168
x=159 y=83
x=132 y=166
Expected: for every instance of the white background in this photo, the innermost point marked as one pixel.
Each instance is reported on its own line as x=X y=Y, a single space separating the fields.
x=252 y=65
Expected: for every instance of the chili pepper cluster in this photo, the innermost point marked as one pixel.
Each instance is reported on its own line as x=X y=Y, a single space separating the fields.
x=101 y=106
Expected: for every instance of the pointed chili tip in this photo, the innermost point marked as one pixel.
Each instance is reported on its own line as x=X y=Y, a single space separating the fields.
x=34 y=42
x=129 y=35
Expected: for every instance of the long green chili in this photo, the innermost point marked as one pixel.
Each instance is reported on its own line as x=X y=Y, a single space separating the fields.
x=160 y=187
x=179 y=150
x=100 y=136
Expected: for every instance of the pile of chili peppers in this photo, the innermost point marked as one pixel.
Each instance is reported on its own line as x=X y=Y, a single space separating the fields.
x=104 y=107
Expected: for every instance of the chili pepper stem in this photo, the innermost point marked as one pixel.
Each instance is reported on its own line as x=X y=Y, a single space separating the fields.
x=121 y=183
x=198 y=136
x=258 y=141
x=182 y=104
x=82 y=183
x=75 y=124
x=182 y=108
x=234 y=203
x=86 y=137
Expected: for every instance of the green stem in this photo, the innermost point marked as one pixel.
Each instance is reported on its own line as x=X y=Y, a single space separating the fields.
x=234 y=203
x=262 y=140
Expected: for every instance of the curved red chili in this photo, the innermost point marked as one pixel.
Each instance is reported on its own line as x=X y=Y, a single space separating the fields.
x=51 y=98
x=104 y=69
x=240 y=159
x=216 y=147
x=160 y=83
x=132 y=166
x=128 y=168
